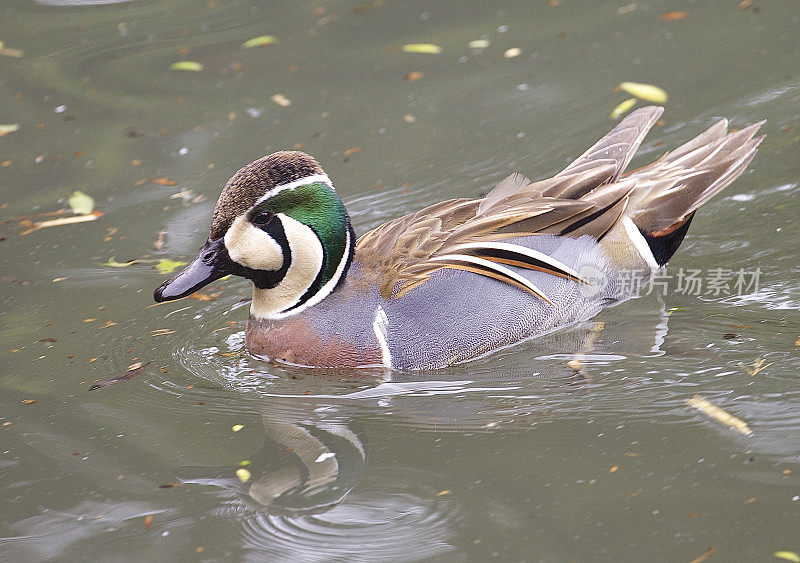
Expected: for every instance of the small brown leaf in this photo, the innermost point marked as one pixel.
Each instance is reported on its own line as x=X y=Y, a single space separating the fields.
x=352 y=150
x=674 y=16
x=148 y=522
x=413 y=75
x=163 y=181
x=29 y=401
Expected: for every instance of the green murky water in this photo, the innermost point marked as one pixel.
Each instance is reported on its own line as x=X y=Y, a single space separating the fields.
x=511 y=457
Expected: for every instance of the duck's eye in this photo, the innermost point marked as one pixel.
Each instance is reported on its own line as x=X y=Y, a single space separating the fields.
x=262 y=218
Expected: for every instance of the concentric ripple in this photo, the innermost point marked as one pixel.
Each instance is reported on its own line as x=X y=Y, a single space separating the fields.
x=388 y=521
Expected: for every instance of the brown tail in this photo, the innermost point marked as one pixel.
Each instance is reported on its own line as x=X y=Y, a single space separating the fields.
x=669 y=191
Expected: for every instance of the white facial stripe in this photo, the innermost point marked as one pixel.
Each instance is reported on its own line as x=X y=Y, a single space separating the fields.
x=639 y=242
x=251 y=247
x=296 y=184
x=307 y=255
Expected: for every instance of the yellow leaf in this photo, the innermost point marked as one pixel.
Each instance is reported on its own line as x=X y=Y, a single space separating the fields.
x=167 y=266
x=243 y=475
x=259 y=41
x=646 y=92
x=10 y=128
x=237 y=427
x=187 y=65
x=114 y=264
x=788 y=555
x=512 y=52
x=623 y=108
x=424 y=48
x=80 y=203
x=479 y=44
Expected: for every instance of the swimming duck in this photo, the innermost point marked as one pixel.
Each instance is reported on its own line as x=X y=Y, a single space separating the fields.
x=461 y=278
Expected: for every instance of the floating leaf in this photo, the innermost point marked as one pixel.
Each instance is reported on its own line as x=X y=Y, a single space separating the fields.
x=479 y=44
x=259 y=41
x=719 y=414
x=243 y=475
x=788 y=555
x=646 y=92
x=413 y=75
x=10 y=128
x=281 y=100
x=513 y=52
x=424 y=48
x=623 y=108
x=674 y=16
x=114 y=264
x=167 y=266
x=80 y=203
x=193 y=66
x=237 y=427
x=163 y=182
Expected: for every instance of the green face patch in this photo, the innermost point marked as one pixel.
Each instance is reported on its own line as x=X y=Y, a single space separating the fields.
x=318 y=207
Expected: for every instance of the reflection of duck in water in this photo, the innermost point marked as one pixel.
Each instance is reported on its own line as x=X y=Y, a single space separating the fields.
x=302 y=467
x=460 y=278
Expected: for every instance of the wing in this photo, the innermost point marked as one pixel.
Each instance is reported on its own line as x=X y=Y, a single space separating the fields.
x=587 y=198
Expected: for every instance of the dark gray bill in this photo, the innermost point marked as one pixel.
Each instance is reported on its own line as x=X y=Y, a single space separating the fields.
x=211 y=264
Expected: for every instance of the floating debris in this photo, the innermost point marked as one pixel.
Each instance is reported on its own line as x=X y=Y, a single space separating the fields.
x=479 y=44
x=646 y=92
x=80 y=203
x=281 y=100
x=192 y=66
x=167 y=266
x=259 y=41
x=237 y=427
x=757 y=366
x=9 y=128
x=423 y=48
x=623 y=108
x=133 y=371
x=63 y=221
x=674 y=16
x=512 y=53
x=243 y=475
x=709 y=552
x=719 y=414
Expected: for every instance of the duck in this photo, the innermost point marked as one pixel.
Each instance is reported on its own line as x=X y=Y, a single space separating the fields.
x=461 y=278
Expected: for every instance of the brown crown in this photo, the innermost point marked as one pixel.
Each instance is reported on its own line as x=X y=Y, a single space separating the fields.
x=254 y=180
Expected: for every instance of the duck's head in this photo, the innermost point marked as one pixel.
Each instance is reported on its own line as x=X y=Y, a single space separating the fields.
x=280 y=224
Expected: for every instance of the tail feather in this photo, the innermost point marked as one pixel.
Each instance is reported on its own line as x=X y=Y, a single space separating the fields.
x=673 y=188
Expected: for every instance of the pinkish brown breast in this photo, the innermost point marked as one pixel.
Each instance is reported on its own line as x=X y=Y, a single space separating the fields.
x=294 y=341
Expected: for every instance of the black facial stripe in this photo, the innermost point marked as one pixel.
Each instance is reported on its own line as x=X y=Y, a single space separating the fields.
x=317 y=284
x=265 y=279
